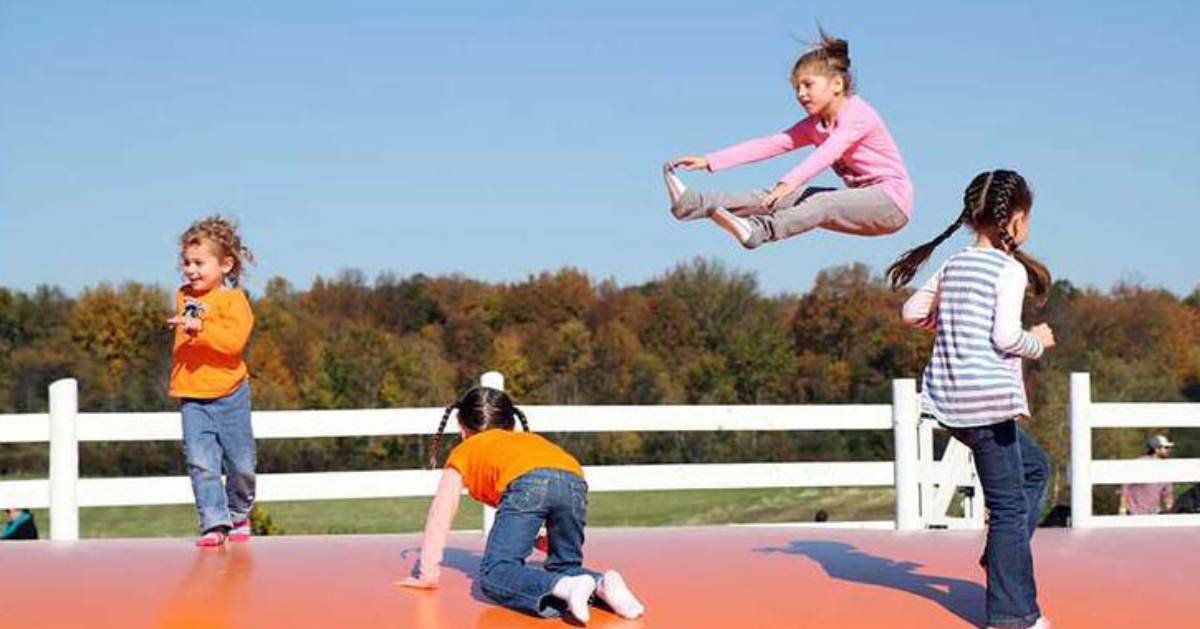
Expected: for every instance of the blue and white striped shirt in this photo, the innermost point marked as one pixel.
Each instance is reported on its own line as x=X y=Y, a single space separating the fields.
x=974 y=374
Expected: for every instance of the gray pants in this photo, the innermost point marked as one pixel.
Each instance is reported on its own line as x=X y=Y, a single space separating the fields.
x=861 y=211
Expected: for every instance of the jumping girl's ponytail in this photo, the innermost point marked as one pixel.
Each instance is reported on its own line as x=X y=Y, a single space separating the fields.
x=830 y=56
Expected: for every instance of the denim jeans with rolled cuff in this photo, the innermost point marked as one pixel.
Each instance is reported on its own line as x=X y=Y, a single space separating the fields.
x=217 y=437
x=557 y=499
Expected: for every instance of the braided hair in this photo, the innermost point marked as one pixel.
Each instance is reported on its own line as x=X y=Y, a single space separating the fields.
x=1013 y=196
x=989 y=204
x=479 y=409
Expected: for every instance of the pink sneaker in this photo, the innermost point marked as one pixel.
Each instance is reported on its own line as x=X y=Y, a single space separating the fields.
x=215 y=537
x=240 y=531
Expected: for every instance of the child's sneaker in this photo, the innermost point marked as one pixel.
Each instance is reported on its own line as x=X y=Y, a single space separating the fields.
x=240 y=531
x=749 y=231
x=685 y=204
x=212 y=537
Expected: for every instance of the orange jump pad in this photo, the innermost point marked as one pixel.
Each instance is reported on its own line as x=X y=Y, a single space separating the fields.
x=687 y=577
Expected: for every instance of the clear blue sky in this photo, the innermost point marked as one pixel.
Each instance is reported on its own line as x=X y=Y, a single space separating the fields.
x=502 y=139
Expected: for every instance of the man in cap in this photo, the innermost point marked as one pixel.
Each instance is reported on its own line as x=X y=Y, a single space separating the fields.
x=1149 y=498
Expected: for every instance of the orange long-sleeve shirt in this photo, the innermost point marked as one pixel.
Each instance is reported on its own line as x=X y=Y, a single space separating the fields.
x=488 y=461
x=208 y=364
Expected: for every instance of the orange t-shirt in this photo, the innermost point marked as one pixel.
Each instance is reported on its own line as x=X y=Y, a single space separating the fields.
x=208 y=364
x=488 y=461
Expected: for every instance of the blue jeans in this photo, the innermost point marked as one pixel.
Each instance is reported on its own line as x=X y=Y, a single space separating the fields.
x=559 y=500
x=1014 y=473
x=217 y=437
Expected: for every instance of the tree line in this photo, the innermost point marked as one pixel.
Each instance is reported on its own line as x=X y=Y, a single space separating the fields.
x=699 y=333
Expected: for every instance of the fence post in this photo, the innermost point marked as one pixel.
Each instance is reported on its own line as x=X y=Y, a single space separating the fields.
x=491 y=380
x=928 y=470
x=1081 y=450
x=64 y=460
x=906 y=414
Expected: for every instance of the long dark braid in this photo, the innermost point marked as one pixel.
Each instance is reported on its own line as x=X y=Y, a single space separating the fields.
x=521 y=416
x=1013 y=195
x=975 y=196
x=479 y=409
x=435 y=447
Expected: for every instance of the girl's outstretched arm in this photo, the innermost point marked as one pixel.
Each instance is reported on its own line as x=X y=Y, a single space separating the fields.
x=437 y=526
x=759 y=149
x=850 y=130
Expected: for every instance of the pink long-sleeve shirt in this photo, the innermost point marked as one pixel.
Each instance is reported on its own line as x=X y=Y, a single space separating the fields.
x=859 y=148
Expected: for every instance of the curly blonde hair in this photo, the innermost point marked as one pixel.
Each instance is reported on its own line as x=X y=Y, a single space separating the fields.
x=221 y=231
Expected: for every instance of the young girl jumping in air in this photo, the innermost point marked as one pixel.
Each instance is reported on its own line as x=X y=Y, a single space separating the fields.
x=532 y=482
x=973 y=384
x=850 y=137
x=212 y=323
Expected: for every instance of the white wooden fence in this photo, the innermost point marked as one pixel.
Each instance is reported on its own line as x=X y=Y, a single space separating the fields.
x=64 y=492
x=1087 y=416
x=924 y=487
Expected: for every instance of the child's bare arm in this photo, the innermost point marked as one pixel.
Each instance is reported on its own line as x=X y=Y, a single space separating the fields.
x=437 y=527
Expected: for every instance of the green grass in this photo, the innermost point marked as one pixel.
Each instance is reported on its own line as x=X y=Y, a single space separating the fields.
x=406 y=515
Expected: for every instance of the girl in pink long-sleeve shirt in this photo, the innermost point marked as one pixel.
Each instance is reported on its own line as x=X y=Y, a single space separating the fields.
x=850 y=138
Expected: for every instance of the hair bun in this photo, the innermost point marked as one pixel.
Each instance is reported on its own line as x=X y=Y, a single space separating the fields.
x=835 y=47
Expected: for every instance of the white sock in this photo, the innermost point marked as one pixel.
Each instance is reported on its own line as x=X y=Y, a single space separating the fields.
x=576 y=591
x=612 y=590
x=736 y=225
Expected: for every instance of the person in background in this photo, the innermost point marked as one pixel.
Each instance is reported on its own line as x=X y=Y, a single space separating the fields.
x=1149 y=498
x=18 y=525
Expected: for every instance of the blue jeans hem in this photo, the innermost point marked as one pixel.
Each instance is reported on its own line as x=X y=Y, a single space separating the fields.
x=539 y=603
x=1015 y=622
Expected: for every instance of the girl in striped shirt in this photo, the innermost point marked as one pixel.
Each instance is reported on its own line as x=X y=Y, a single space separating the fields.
x=973 y=384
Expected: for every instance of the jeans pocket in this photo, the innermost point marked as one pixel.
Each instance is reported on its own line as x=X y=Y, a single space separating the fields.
x=526 y=495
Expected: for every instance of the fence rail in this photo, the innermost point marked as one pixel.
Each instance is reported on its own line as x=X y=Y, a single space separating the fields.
x=64 y=492
x=1086 y=472
x=925 y=487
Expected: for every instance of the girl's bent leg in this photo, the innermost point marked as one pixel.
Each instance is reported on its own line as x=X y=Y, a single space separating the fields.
x=860 y=211
x=504 y=577
x=693 y=204
x=565 y=521
x=1036 y=476
x=202 y=450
